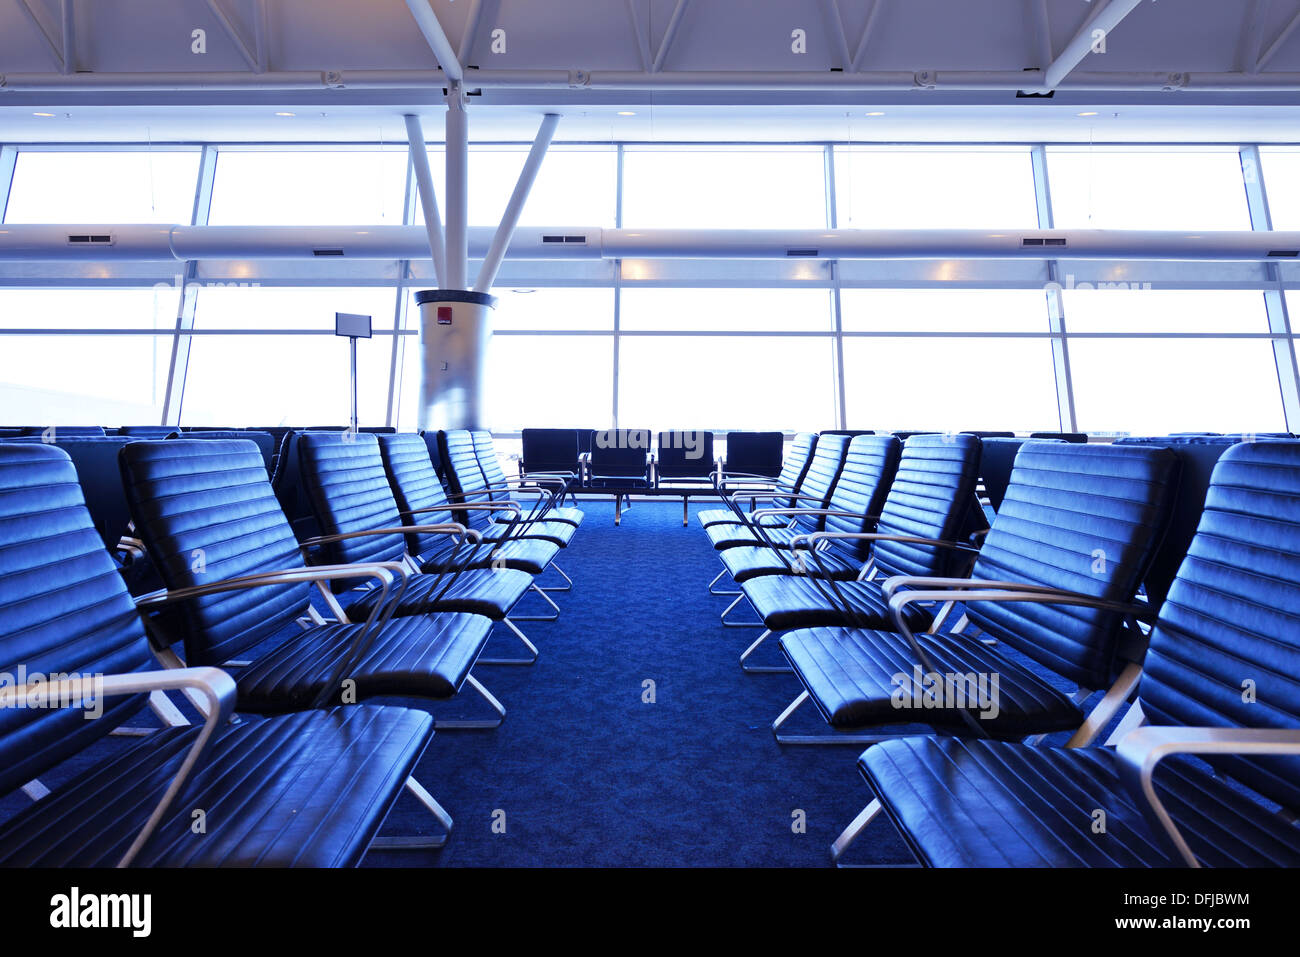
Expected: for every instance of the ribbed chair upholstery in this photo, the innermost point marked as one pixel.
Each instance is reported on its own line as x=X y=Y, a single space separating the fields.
x=206 y=513
x=500 y=488
x=814 y=493
x=345 y=479
x=931 y=490
x=857 y=499
x=65 y=610
x=1080 y=519
x=793 y=469
x=422 y=501
x=466 y=484
x=264 y=441
x=1232 y=616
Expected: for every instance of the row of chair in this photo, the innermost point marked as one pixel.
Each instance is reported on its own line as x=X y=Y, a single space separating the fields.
x=1149 y=589
x=271 y=626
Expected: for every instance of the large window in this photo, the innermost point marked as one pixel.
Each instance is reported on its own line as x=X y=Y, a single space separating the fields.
x=724 y=188
x=934 y=189
x=85 y=379
x=123 y=186
x=1123 y=188
x=239 y=375
x=1281 y=169
x=309 y=188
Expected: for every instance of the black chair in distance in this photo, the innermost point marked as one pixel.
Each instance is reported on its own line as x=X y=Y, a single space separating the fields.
x=500 y=487
x=63 y=604
x=737 y=485
x=684 y=457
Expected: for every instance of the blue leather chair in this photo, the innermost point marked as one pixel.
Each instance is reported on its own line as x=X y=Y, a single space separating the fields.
x=1076 y=520
x=500 y=488
x=63 y=605
x=1221 y=685
x=735 y=486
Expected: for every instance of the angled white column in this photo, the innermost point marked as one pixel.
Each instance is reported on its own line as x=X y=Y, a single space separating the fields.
x=428 y=198
x=436 y=37
x=1105 y=20
x=487 y=273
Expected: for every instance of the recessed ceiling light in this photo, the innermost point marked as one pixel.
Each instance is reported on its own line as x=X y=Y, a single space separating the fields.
x=43 y=114
x=286 y=114
x=627 y=113
x=876 y=113
x=1089 y=113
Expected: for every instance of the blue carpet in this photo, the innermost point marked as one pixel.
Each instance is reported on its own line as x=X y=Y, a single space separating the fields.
x=584 y=773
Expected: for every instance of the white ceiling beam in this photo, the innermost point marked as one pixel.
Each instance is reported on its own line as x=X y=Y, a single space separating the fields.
x=1104 y=19
x=496 y=253
x=68 y=18
x=642 y=41
x=670 y=34
x=472 y=22
x=436 y=37
x=835 y=23
x=868 y=30
x=1042 y=31
x=1252 y=35
x=46 y=34
x=231 y=31
x=428 y=198
x=1277 y=44
x=261 y=37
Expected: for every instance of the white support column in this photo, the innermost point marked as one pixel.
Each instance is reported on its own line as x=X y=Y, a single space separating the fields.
x=397 y=359
x=457 y=245
x=180 y=359
x=1279 y=316
x=436 y=37
x=1105 y=19
x=428 y=198
x=837 y=312
x=1055 y=303
x=527 y=176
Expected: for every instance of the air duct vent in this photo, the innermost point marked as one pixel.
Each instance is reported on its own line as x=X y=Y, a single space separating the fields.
x=1043 y=241
x=807 y=253
x=90 y=239
x=1283 y=253
x=569 y=240
x=327 y=252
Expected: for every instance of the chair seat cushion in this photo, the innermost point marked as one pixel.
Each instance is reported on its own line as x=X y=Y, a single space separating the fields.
x=560 y=513
x=752 y=561
x=795 y=601
x=425 y=656
x=862 y=678
x=490 y=592
x=310 y=789
x=977 y=803
x=725 y=516
x=530 y=555
x=558 y=532
x=739 y=536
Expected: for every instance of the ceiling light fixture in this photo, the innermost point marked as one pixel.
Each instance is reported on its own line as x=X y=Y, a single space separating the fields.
x=877 y=113
x=43 y=114
x=627 y=113
x=1088 y=113
x=286 y=114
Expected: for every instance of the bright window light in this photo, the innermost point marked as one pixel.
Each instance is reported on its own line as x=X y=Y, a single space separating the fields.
x=128 y=186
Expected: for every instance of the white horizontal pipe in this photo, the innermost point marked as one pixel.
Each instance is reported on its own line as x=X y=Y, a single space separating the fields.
x=421 y=81
x=144 y=243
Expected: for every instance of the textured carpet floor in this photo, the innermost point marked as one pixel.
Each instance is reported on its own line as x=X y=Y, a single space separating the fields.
x=585 y=772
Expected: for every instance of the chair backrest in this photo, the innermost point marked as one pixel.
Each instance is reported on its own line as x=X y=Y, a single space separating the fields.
x=485 y=453
x=345 y=480
x=997 y=459
x=823 y=469
x=415 y=486
x=287 y=482
x=863 y=483
x=683 y=454
x=64 y=610
x=620 y=454
x=1197 y=455
x=1079 y=438
x=550 y=450
x=95 y=459
x=147 y=431
x=758 y=453
x=206 y=512
x=1084 y=518
x=58 y=431
x=435 y=453
x=460 y=465
x=928 y=498
x=264 y=441
x=988 y=435
x=1225 y=651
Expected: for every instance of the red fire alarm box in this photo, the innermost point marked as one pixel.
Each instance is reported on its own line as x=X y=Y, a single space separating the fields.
x=444 y=315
